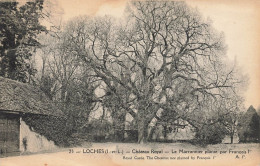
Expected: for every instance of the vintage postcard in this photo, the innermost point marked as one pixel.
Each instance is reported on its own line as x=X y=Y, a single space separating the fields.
x=129 y=82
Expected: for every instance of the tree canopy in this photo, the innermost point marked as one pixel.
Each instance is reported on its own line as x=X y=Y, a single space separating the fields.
x=19 y=27
x=165 y=58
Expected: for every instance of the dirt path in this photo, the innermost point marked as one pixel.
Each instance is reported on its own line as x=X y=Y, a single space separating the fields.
x=149 y=154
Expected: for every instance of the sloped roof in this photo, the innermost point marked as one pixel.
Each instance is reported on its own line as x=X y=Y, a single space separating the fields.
x=17 y=96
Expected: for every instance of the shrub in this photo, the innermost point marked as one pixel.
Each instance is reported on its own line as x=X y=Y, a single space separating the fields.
x=210 y=134
x=99 y=130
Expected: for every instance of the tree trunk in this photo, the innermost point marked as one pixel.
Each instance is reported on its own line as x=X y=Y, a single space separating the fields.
x=231 y=137
x=63 y=92
x=150 y=133
x=12 y=63
x=143 y=119
x=142 y=131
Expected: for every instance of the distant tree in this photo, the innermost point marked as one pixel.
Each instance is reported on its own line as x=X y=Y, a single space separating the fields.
x=258 y=111
x=19 y=27
x=249 y=126
x=230 y=115
x=230 y=122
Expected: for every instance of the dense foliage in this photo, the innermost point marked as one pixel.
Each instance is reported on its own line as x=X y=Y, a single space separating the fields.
x=51 y=127
x=210 y=134
x=249 y=126
x=19 y=27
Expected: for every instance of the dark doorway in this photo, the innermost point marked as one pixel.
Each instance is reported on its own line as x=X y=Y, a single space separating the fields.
x=9 y=133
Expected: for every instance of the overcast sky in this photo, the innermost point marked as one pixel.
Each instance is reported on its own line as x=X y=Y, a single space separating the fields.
x=238 y=19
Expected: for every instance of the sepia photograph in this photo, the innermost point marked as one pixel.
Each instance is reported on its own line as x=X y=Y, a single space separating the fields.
x=129 y=82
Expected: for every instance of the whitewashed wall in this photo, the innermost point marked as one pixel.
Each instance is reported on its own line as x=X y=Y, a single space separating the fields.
x=35 y=142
